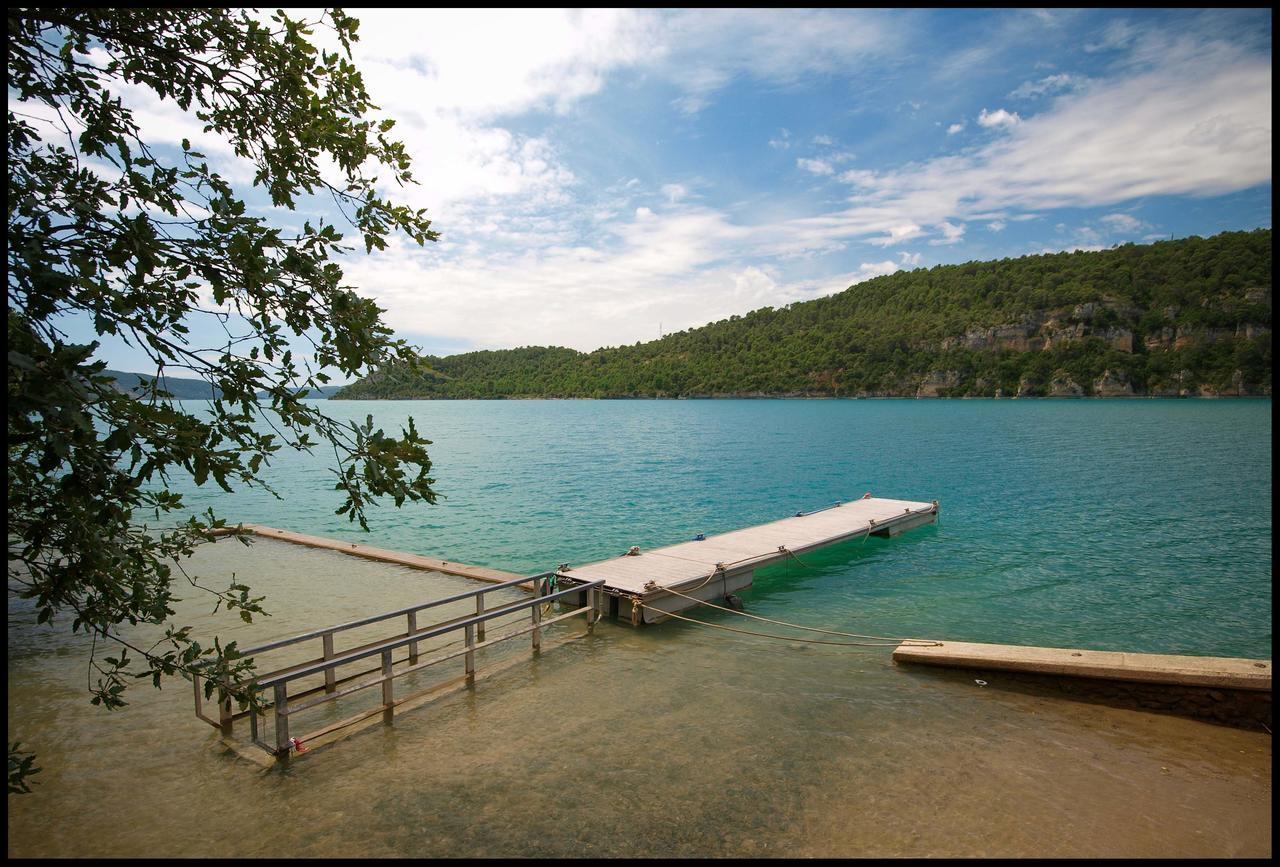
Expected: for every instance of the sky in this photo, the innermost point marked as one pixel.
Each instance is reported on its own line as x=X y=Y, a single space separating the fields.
x=602 y=177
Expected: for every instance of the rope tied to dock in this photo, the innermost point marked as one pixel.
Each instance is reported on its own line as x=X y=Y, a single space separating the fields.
x=890 y=643
x=894 y=641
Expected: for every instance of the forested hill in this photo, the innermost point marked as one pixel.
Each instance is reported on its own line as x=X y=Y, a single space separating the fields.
x=1185 y=317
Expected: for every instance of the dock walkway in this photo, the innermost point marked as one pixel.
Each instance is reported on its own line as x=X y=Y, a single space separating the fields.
x=636 y=584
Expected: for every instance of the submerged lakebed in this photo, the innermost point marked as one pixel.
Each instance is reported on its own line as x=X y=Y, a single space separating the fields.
x=1130 y=525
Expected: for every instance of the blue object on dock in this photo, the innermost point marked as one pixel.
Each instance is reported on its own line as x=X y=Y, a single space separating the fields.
x=699 y=538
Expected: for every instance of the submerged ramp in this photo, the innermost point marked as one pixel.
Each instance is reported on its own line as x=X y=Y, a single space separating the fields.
x=1204 y=671
x=637 y=586
x=1212 y=688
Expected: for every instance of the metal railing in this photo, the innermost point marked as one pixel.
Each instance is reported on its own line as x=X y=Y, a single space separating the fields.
x=284 y=705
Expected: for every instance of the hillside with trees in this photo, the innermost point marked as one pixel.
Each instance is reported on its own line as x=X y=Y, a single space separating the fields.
x=1189 y=317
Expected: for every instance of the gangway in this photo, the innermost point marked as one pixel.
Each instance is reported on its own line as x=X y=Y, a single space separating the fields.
x=285 y=705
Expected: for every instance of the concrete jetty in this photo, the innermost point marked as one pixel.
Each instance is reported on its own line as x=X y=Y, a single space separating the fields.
x=1215 y=689
x=1203 y=671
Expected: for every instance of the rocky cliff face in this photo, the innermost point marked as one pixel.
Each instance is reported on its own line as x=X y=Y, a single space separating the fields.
x=1120 y=327
x=1045 y=329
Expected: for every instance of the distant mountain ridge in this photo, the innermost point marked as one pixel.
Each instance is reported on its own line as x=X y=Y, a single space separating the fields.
x=188 y=388
x=182 y=388
x=1190 y=317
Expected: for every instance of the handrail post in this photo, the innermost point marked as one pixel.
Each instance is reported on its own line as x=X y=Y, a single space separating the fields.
x=470 y=656
x=388 y=694
x=479 y=612
x=330 y=677
x=592 y=613
x=282 y=719
x=413 y=645
x=253 y=716
x=224 y=709
x=195 y=681
x=537 y=615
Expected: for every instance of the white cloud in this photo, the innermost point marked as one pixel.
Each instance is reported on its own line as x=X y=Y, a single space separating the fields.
x=446 y=93
x=859 y=177
x=997 y=225
x=824 y=140
x=897 y=234
x=705 y=50
x=1118 y=34
x=817 y=167
x=951 y=233
x=1067 y=248
x=486 y=64
x=1193 y=120
x=682 y=267
x=868 y=270
x=691 y=105
x=1048 y=84
x=999 y=117
x=674 y=192
x=1085 y=237
x=955 y=128
x=1123 y=223
x=910 y=259
x=783 y=141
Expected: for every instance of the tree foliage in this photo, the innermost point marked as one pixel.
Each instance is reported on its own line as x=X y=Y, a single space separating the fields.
x=142 y=239
x=1166 y=318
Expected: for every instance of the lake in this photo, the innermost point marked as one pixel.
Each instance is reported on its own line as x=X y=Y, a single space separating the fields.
x=1140 y=525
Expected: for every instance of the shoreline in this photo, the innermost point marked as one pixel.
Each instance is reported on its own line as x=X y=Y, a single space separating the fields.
x=839 y=397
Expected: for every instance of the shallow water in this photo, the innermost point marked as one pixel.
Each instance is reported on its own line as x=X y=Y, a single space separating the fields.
x=1142 y=525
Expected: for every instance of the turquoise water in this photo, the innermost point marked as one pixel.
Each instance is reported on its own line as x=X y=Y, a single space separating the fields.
x=1141 y=525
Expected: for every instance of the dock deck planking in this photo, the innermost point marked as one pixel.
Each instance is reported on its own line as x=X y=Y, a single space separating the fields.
x=740 y=552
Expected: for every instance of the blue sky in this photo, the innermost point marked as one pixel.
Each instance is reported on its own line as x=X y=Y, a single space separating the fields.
x=597 y=176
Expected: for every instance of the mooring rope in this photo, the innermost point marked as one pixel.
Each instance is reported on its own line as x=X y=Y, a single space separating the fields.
x=797 y=625
x=891 y=643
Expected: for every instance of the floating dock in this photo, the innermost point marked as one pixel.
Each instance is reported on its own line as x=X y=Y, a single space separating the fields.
x=643 y=586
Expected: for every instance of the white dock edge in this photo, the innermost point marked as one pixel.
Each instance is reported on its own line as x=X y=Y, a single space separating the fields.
x=1201 y=671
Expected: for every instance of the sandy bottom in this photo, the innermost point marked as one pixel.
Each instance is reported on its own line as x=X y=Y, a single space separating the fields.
x=675 y=741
